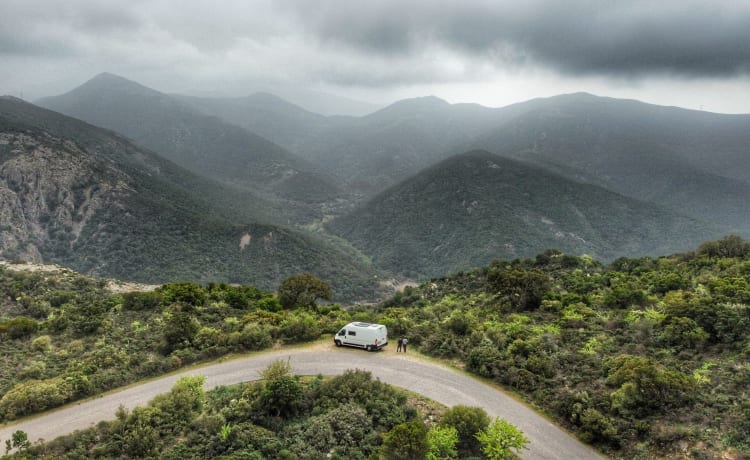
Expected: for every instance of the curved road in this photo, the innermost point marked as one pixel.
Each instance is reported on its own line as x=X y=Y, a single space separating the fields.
x=445 y=385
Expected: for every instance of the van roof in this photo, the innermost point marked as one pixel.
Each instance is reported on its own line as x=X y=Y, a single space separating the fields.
x=360 y=324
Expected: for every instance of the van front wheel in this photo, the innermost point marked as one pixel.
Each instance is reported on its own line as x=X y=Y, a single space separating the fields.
x=337 y=342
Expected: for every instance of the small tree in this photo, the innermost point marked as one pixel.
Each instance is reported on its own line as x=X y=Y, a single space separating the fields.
x=500 y=438
x=281 y=392
x=407 y=440
x=301 y=291
x=180 y=328
x=442 y=443
x=468 y=421
x=19 y=440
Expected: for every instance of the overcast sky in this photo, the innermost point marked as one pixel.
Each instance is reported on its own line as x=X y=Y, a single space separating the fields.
x=689 y=53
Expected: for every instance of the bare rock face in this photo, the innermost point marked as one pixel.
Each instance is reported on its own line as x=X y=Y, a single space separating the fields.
x=47 y=193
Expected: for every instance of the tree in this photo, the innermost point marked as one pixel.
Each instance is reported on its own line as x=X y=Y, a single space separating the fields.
x=407 y=440
x=301 y=291
x=442 y=443
x=281 y=392
x=500 y=438
x=524 y=289
x=180 y=328
x=645 y=386
x=468 y=421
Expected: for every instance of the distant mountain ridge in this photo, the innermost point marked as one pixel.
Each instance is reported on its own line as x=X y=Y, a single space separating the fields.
x=633 y=178
x=475 y=207
x=87 y=198
x=665 y=155
x=206 y=145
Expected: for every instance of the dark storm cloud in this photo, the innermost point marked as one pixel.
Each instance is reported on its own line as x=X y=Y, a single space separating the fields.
x=687 y=38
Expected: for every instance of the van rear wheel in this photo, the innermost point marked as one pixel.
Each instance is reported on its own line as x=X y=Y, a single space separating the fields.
x=368 y=348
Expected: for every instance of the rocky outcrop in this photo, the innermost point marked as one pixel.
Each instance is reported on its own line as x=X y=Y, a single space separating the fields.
x=48 y=193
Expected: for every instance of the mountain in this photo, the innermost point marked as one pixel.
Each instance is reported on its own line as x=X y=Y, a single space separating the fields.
x=277 y=120
x=696 y=163
x=203 y=144
x=365 y=154
x=87 y=198
x=371 y=153
x=477 y=206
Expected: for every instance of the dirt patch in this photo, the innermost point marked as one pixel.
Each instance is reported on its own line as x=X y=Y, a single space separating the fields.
x=32 y=267
x=119 y=287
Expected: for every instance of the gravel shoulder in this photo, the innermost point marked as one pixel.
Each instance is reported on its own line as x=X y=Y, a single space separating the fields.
x=443 y=384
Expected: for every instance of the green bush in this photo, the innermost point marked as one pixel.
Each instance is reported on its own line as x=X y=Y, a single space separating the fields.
x=468 y=422
x=407 y=440
x=18 y=327
x=138 y=301
x=35 y=396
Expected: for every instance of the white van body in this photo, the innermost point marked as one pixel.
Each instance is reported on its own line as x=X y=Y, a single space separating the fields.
x=369 y=336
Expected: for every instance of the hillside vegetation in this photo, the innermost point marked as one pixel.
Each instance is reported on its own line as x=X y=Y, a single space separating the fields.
x=64 y=336
x=87 y=198
x=282 y=416
x=475 y=207
x=644 y=358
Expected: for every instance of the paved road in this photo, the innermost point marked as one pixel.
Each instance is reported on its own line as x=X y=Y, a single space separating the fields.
x=440 y=383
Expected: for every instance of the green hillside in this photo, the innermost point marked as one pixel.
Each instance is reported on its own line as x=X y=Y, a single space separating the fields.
x=475 y=207
x=695 y=163
x=86 y=198
x=643 y=358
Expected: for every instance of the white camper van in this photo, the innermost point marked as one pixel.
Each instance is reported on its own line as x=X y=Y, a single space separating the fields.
x=371 y=337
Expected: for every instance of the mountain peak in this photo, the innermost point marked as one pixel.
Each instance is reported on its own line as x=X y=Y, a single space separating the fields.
x=109 y=82
x=412 y=106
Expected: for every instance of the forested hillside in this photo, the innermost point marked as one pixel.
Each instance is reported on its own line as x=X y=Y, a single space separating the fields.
x=475 y=207
x=644 y=358
x=89 y=199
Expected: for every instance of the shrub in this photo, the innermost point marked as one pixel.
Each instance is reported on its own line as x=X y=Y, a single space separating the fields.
x=500 y=438
x=41 y=343
x=35 y=396
x=407 y=440
x=468 y=421
x=524 y=289
x=441 y=442
x=188 y=294
x=300 y=329
x=18 y=327
x=141 y=300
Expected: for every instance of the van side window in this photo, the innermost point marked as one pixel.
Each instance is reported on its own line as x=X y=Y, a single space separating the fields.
x=352 y=332
x=343 y=332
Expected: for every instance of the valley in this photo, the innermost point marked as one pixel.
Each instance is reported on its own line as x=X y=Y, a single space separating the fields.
x=579 y=251
x=404 y=192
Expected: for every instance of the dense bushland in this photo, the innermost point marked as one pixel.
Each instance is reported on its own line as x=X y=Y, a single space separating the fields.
x=281 y=416
x=643 y=358
x=64 y=336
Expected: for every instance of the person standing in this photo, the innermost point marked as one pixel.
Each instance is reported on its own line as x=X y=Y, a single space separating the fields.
x=404 y=341
x=400 y=344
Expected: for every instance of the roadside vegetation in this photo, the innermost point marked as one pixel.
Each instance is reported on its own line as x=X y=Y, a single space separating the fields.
x=642 y=358
x=64 y=336
x=281 y=416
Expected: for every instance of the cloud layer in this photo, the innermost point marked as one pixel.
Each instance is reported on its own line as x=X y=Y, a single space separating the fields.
x=373 y=44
